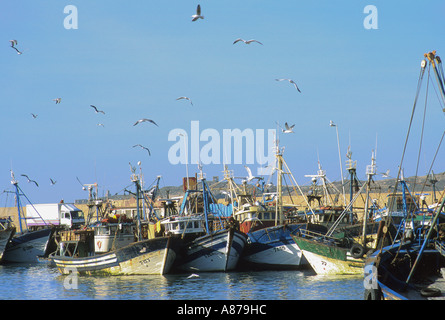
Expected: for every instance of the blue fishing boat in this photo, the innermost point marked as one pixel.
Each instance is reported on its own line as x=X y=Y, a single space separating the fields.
x=208 y=240
x=26 y=246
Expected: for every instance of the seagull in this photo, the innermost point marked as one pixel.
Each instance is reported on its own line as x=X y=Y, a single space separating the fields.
x=186 y=98
x=13 y=44
x=34 y=115
x=100 y=124
x=250 y=177
x=291 y=81
x=288 y=129
x=29 y=180
x=97 y=111
x=144 y=120
x=385 y=174
x=141 y=146
x=193 y=275
x=246 y=41
x=57 y=100
x=52 y=181
x=198 y=14
x=332 y=124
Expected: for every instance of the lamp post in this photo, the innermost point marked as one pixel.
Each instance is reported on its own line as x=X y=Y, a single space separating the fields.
x=332 y=124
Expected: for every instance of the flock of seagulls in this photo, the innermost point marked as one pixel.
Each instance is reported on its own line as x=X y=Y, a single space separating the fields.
x=53 y=182
x=195 y=17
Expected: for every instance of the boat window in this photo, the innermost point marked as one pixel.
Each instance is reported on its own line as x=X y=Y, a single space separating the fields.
x=76 y=214
x=196 y=224
x=190 y=225
x=266 y=215
x=67 y=215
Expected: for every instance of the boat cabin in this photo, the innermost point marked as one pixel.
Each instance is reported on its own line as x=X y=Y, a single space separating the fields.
x=180 y=225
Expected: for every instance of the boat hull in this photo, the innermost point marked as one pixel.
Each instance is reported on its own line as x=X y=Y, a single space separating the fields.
x=273 y=248
x=5 y=236
x=386 y=272
x=153 y=256
x=329 y=260
x=219 y=251
x=27 y=247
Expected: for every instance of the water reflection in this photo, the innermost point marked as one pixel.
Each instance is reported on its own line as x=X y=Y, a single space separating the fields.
x=43 y=282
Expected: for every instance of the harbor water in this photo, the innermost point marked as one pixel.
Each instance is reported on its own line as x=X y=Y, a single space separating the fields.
x=43 y=282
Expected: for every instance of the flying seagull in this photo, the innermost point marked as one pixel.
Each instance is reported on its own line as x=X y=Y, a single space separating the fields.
x=97 y=111
x=57 y=100
x=141 y=146
x=288 y=129
x=52 y=181
x=186 y=98
x=144 y=120
x=385 y=174
x=29 y=180
x=100 y=124
x=34 y=115
x=13 y=44
x=250 y=177
x=291 y=81
x=246 y=41
x=198 y=14
x=332 y=124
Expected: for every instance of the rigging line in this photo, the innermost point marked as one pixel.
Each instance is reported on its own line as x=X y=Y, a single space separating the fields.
x=419 y=85
x=434 y=160
x=422 y=131
x=441 y=102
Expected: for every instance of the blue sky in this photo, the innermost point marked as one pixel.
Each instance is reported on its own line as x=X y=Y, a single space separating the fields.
x=133 y=59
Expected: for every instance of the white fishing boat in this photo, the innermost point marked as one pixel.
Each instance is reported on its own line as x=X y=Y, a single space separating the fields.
x=115 y=246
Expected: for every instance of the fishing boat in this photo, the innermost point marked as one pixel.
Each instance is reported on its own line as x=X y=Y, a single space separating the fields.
x=413 y=266
x=208 y=240
x=115 y=247
x=272 y=247
x=26 y=246
x=342 y=250
x=7 y=231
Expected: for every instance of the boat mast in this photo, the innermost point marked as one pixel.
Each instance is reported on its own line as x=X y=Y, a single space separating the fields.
x=135 y=179
x=279 y=202
x=370 y=172
x=15 y=183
